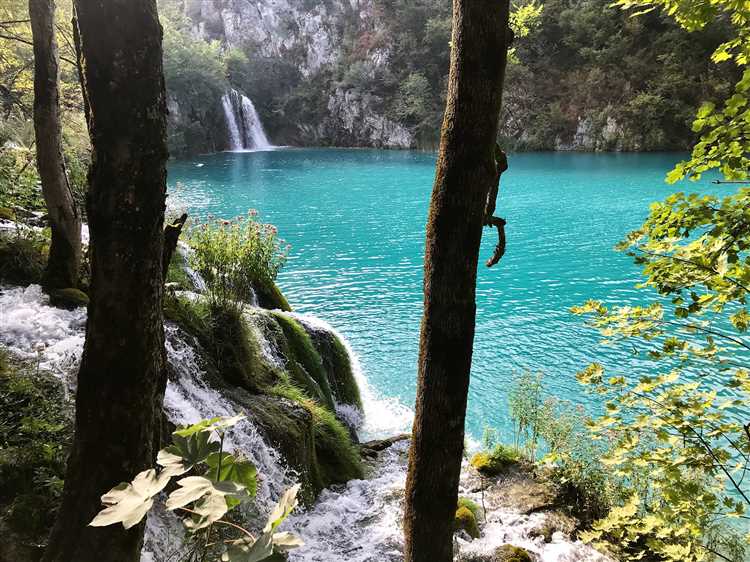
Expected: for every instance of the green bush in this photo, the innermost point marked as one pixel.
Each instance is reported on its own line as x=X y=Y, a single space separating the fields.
x=36 y=426
x=23 y=257
x=235 y=256
x=495 y=462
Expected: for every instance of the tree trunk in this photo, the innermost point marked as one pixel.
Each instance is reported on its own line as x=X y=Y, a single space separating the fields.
x=64 y=219
x=466 y=170
x=122 y=375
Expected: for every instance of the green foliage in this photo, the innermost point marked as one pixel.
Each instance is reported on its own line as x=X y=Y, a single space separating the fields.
x=195 y=77
x=495 y=462
x=36 y=428
x=233 y=257
x=724 y=141
x=23 y=256
x=679 y=439
x=587 y=73
x=527 y=412
x=224 y=481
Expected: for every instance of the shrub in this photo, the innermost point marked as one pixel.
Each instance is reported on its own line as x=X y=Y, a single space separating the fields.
x=234 y=256
x=495 y=462
x=23 y=257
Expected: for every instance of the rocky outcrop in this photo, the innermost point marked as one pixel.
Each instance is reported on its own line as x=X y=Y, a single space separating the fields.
x=308 y=41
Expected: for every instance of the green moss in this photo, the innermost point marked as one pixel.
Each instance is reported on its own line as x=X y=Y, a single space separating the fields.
x=466 y=521
x=7 y=214
x=177 y=272
x=339 y=368
x=510 y=553
x=22 y=259
x=470 y=505
x=232 y=345
x=270 y=296
x=303 y=361
x=68 y=298
x=288 y=405
x=337 y=459
x=495 y=462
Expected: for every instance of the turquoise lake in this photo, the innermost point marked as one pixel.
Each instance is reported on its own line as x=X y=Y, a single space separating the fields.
x=356 y=220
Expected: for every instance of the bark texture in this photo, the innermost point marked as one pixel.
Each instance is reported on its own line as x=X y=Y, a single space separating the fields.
x=64 y=219
x=122 y=375
x=466 y=172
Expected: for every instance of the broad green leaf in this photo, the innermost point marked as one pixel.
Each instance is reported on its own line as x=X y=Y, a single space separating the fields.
x=249 y=550
x=193 y=449
x=234 y=470
x=286 y=541
x=128 y=503
x=194 y=488
x=209 y=425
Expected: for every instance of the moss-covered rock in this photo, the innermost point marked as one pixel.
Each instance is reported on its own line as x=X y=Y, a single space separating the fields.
x=270 y=296
x=303 y=361
x=465 y=520
x=495 y=462
x=177 y=272
x=510 y=553
x=22 y=259
x=7 y=214
x=69 y=298
x=268 y=363
x=338 y=366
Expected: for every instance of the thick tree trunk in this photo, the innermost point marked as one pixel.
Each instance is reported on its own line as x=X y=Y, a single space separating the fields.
x=64 y=219
x=466 y=170
x=122 y=375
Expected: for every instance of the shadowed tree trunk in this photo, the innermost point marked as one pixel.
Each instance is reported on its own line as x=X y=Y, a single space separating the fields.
x=122 y=375
x=466 y=171
x=64 y=219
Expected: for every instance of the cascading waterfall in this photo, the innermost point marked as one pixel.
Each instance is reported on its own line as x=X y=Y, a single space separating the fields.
x=356 y=522
x=243 y=123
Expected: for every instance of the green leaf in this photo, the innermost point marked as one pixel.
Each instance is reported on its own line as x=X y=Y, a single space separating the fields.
x=234 y=470
x=249 y=550
x=128 y=503
x=209 y=425
x=192 y=449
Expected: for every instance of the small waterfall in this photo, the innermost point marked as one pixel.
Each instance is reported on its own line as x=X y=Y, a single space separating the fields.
x=243 y=123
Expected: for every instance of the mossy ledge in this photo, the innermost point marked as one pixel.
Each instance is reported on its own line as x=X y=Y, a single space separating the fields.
x=281 y=377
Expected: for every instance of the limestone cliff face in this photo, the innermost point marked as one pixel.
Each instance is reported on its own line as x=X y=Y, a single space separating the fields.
x=311 y=37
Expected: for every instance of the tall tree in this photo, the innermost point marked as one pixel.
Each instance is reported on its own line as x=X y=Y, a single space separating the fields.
x=122 y=375
x=64 y=219
x=466 y=172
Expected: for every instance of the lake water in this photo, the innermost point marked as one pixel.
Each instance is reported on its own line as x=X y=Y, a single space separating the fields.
x=356 y=223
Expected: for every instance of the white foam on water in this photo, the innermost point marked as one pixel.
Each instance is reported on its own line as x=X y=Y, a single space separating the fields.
x=358 y=522
x=35 y=331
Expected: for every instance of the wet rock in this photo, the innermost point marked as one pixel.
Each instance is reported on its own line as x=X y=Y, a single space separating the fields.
x=69 y=298
x=371 y=449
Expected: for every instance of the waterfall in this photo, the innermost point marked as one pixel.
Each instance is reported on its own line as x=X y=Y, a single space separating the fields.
x=243 y=123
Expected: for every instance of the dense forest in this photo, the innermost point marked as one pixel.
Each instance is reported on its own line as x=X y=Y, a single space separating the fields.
x=581 y=76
